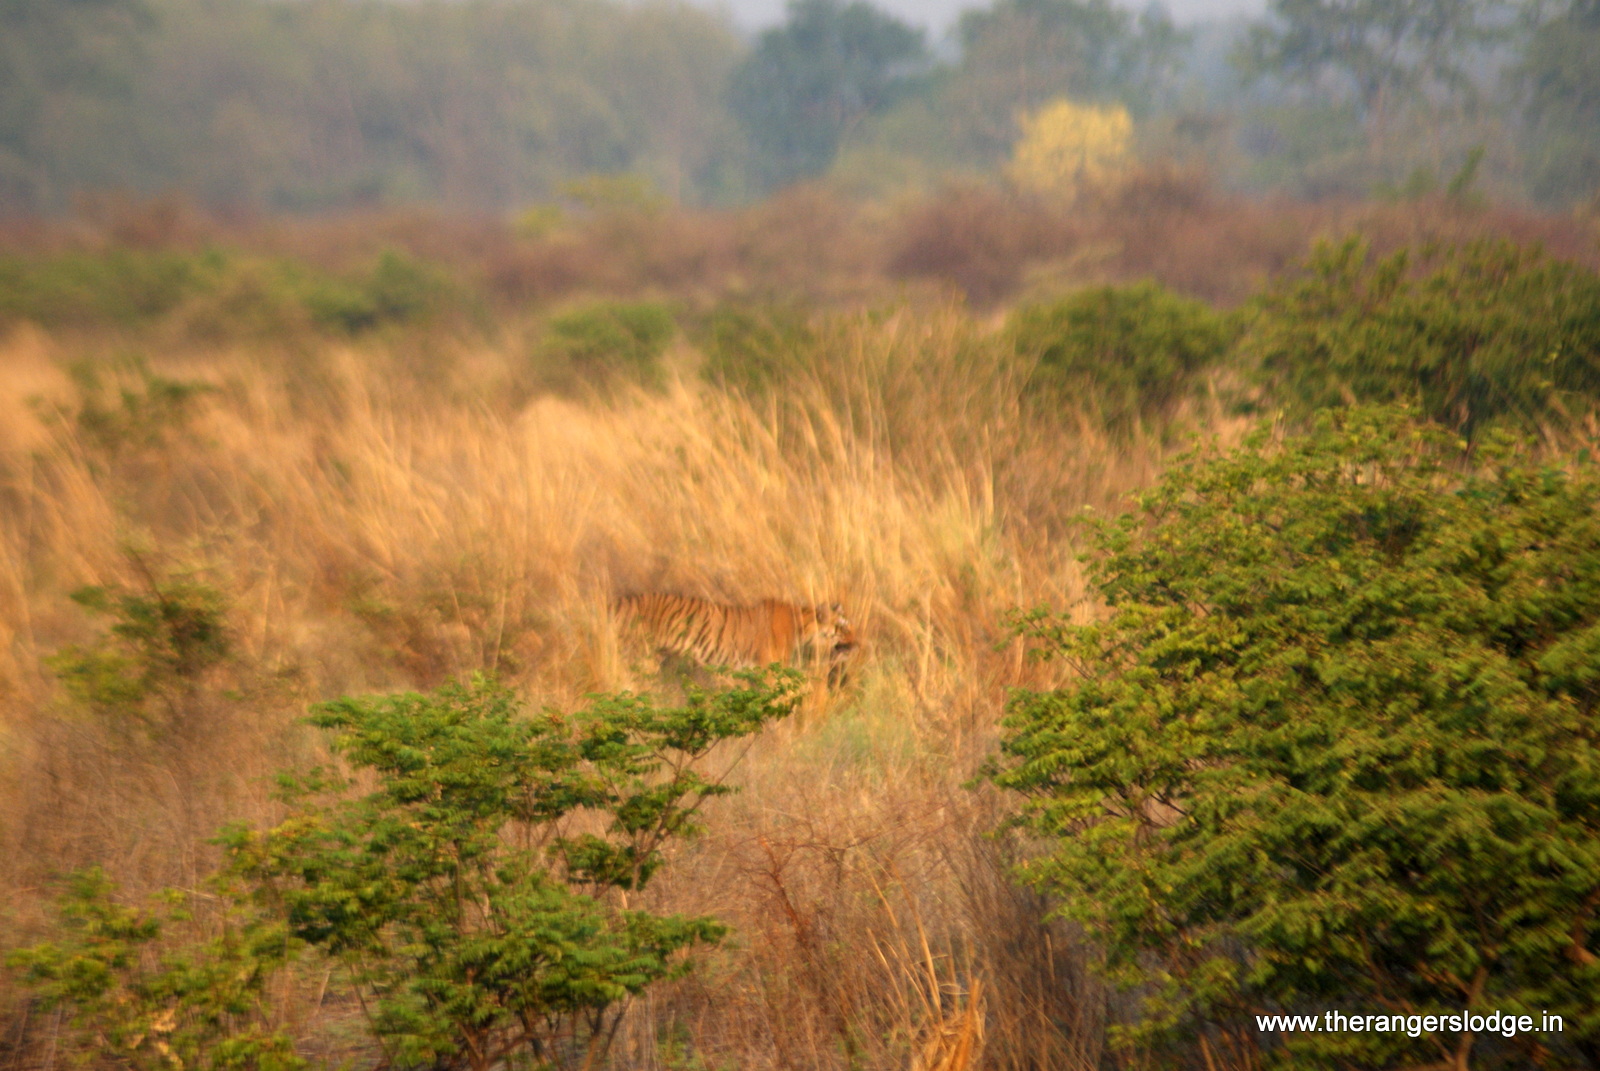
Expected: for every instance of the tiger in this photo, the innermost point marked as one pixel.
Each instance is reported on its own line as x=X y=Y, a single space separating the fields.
x=741 y=637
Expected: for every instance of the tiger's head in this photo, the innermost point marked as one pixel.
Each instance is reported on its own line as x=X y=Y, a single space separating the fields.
x=834 y=633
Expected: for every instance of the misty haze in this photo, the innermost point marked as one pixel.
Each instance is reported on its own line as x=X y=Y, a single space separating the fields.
x=799 y=535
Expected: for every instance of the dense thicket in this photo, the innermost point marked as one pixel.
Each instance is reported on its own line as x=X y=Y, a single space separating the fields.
x=1470 y=335
x=1334 y=745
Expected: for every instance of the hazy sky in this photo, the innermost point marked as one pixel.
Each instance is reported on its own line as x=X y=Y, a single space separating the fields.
x=938 y=15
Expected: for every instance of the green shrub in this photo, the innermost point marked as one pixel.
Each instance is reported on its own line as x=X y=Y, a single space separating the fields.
x=753 y=349
x=120 y=288
x=143 y=670
x=478 y=895
x=1131 y=352
x=129 y=289
x=398 y=290
x=1336 y=745
x=612 y=340
x=1469 y=334
x=198 y=1004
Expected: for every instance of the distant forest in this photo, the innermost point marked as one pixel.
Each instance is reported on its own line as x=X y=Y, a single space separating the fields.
x=499 y=105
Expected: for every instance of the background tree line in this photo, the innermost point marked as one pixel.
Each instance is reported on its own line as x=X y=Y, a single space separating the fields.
x=491 y=104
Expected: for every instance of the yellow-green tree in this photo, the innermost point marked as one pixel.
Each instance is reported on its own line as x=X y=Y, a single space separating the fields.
x=1065 y=147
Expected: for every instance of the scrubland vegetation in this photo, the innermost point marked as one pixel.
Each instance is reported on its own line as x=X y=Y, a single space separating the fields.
x=354 y=354
x=250 y=467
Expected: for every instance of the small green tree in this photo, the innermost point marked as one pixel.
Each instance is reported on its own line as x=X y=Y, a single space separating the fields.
x=479 y=896
x=807 y=83
x=1470 y=334
x=1334 y=745
x=1559 y=85
x=1385 y=49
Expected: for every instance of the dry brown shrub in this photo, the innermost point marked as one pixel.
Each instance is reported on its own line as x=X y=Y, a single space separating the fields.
x=980 y=239
x=807 y=242
x=543 y=270
x=1167 y=223
x=350 y=240
x=165 y=222
x=991 y=244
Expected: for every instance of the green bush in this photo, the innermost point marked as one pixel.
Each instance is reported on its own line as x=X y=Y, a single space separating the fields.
x=1469 y=334
x=478 y=895
x=156 y=1003
x=1335 y=745
x=1131 y=352
x=611 y=340
x=397 y=290
x=224 y=292
x=753 y=349
x=145 y=669
x=121 y=287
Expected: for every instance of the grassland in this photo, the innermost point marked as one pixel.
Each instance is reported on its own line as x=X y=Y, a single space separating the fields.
x=392 y=476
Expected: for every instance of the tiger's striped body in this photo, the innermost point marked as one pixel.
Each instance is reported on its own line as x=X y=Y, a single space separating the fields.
x=739 y=637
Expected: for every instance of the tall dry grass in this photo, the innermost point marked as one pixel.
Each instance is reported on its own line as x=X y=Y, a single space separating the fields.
x=379 y=519
x=391 y=511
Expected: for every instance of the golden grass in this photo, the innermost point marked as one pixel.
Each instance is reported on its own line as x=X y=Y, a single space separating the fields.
x=390 y=513
x=376 y=523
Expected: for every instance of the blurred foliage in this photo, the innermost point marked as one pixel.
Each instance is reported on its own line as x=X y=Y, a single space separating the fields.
x=812 y=79
x=1560 y=84
x=300 y=106
x=754 y=349
x=65 y=68
x=214 y=293
x=615 y=193
x=482 y=920
x=1126 y=352
x=1067 y=147
x=538 y=221
x=157 y=1003
x=609 y=340
x=144 y=410
x=1469 y=334
x=144 y=671
x=1315 y=148
x=115 y=287
x=1018 y=56
x=486 y=105
x=1356 y=98
x=1385 y=50
x=1333 y=745
x=399 y=289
